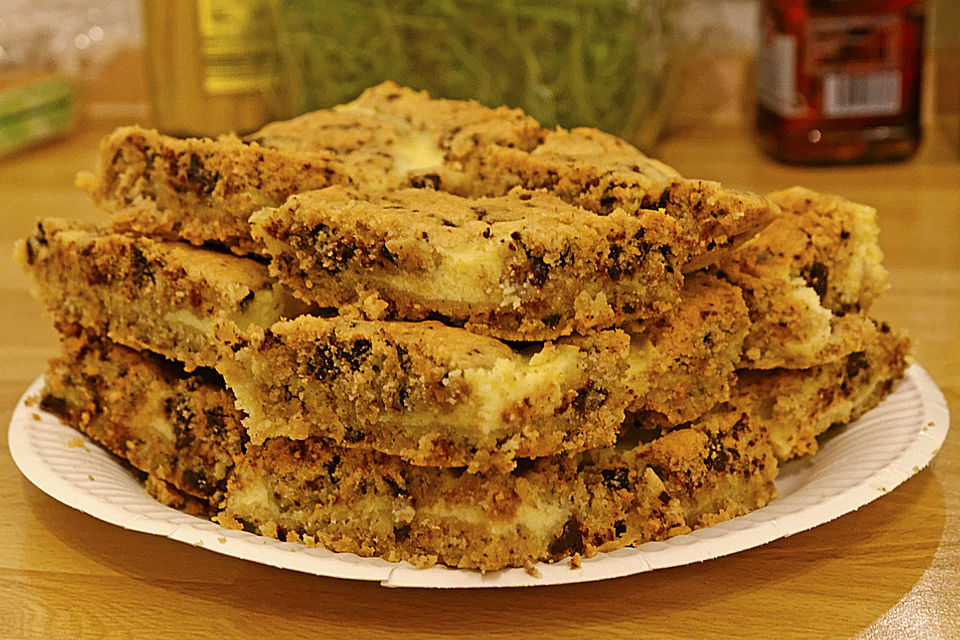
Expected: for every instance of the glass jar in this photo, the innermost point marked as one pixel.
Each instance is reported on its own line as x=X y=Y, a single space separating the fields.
x=838 y=81
x=610 y=64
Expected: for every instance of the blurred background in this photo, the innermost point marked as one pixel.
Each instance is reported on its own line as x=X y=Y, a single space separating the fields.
x=643 y=69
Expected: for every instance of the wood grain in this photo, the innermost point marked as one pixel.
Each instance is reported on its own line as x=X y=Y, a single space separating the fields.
x=891 y=569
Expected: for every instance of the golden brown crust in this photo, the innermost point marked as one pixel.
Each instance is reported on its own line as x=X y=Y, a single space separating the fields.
x=525 y=266
x=381 y=117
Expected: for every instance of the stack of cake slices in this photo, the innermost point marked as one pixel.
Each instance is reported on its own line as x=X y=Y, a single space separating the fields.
x=431 y=331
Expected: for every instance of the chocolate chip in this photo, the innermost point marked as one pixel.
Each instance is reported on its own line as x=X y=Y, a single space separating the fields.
x=614 y=270
x=395 y=490
x=318 y=231
x=356 y=352
x=664 y=199
x=181 y=417
x=425 y=181
x=619 y=528
x=41 y=235
x=54 y=404
x=198 y=482
x=570 y=539
x=331 y=465
x=401 y=533
x=202 y=180
x=816 y=276
x=856 y=362
x=718 y=457
x=321 y=364
x=589 y=399
x=140 y=268
x=616 y=478
x=388 y=255
x=36 y=241
x=539 y=271
x=353 y=435
x=32 y=250
x=335 y=255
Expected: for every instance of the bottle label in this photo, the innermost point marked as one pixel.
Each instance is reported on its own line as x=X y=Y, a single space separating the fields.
x=858 y=59
x=777 y=72
x=237 y=46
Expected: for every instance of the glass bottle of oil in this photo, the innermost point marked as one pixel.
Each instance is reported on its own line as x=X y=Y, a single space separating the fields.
x=212 y=65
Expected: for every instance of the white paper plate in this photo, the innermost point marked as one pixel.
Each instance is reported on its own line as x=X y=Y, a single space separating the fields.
x=857 y=464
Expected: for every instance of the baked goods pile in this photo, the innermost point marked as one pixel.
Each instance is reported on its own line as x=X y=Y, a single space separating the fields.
x=431 y=331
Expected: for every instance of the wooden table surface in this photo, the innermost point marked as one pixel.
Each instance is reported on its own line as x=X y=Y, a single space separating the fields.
x=891 y=569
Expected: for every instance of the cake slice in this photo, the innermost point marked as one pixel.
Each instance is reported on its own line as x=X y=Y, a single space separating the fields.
x=796 y=406
x=365 y=503
x=204 y=191
x=164 y=296
x=808 y=278
x=431 y=394
x=601 y=173
x=525 y=266
x=181 y=429
x=682 y=363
